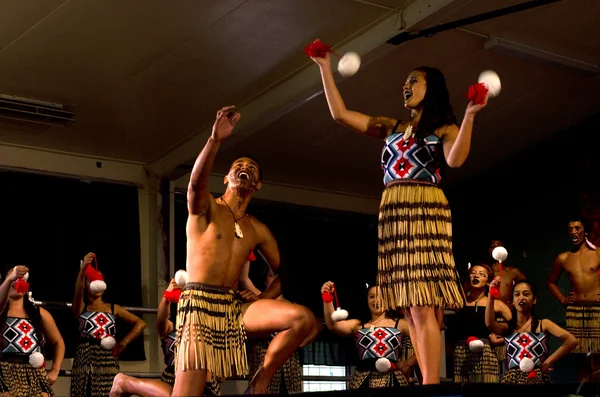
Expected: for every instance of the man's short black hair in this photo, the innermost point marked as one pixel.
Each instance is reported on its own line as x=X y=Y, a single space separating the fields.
x=580 y=219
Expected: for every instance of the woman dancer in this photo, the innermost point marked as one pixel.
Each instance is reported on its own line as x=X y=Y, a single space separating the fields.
x=167 y=314
x=416 y=266
x=527 y=336
x=25 y=329
x=477 y=366
x=379 y=337
x=94 y=366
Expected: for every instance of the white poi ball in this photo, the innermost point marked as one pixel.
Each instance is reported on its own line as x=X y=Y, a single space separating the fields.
x=383 y=364
x=181 y=278
x=97 y=286
x=500 y=254
x=36 y=359
x=491 y=80
x=526 y=364
x=476 y=346
x=108 y=342
x=349 y=64
x=339 y=315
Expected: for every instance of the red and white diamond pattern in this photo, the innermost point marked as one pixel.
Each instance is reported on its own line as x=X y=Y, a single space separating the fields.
x=19 y=336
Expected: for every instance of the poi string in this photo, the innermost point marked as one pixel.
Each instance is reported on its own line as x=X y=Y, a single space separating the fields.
x=495 y=291
x=337 y=302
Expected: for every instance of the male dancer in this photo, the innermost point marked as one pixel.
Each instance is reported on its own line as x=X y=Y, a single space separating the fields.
x=211 y=332
x=510 y=275
x=581 y=264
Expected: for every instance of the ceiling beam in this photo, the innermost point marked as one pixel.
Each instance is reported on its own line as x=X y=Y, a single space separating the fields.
x=281 y=193
x=297 y=88
x=71 y=165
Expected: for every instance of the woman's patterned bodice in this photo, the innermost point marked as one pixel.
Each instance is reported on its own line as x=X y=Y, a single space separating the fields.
x=20 y=337
x=377 y=342
x=168 y=348
x=406 y=159
x=526 y=344
x=96 y=325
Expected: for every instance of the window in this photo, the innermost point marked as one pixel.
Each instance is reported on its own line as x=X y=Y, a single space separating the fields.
x=324 y=371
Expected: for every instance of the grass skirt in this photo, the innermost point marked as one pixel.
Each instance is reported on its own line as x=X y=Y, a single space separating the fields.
x=373 y=379
x=94 y=369
x=583 y=321
x=416 y=265
x=210 y=332
x=472 y=367
x=517 y=377
x=22 y=380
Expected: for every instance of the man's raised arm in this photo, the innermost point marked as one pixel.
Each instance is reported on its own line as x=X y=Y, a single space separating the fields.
x=198 y=195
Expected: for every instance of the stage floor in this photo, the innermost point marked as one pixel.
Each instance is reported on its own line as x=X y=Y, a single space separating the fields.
x=471 y=390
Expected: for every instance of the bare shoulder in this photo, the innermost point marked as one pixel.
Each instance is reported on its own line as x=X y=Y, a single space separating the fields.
x=261 y=229
x=512 y=270
x=45 y=314
x=562 y=258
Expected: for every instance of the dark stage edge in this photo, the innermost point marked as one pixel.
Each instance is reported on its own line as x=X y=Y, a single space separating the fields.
x=469 y=390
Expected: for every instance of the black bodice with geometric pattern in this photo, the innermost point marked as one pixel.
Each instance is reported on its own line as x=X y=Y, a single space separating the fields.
x=526 y=344
x=377 y=342
x=96 y=325
x=20 y=337
x=407 y=159
x=168 y=348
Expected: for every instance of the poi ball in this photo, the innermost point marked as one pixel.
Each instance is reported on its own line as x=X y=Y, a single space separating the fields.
x=495 y=292
x=36 y=359
x=97 y=286
x=476 y=345
x=383 y=364
x=108 y=342
x=181 y=278
x=328 y=298
x=339 y=315
x=349 y=64
x=526 y=364
x=500 y=254
x=490 y=79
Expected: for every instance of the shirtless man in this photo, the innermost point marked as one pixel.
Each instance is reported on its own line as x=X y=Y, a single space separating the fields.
x=211 y=332
x=581 y=265
x=510 y=275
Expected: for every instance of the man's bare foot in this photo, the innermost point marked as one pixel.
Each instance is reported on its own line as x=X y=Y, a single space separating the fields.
x=256 y=385
x=117 y=389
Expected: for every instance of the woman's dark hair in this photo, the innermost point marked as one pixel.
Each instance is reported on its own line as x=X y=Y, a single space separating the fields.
x=512 y=324
x=32 y=311
x=437 y=111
